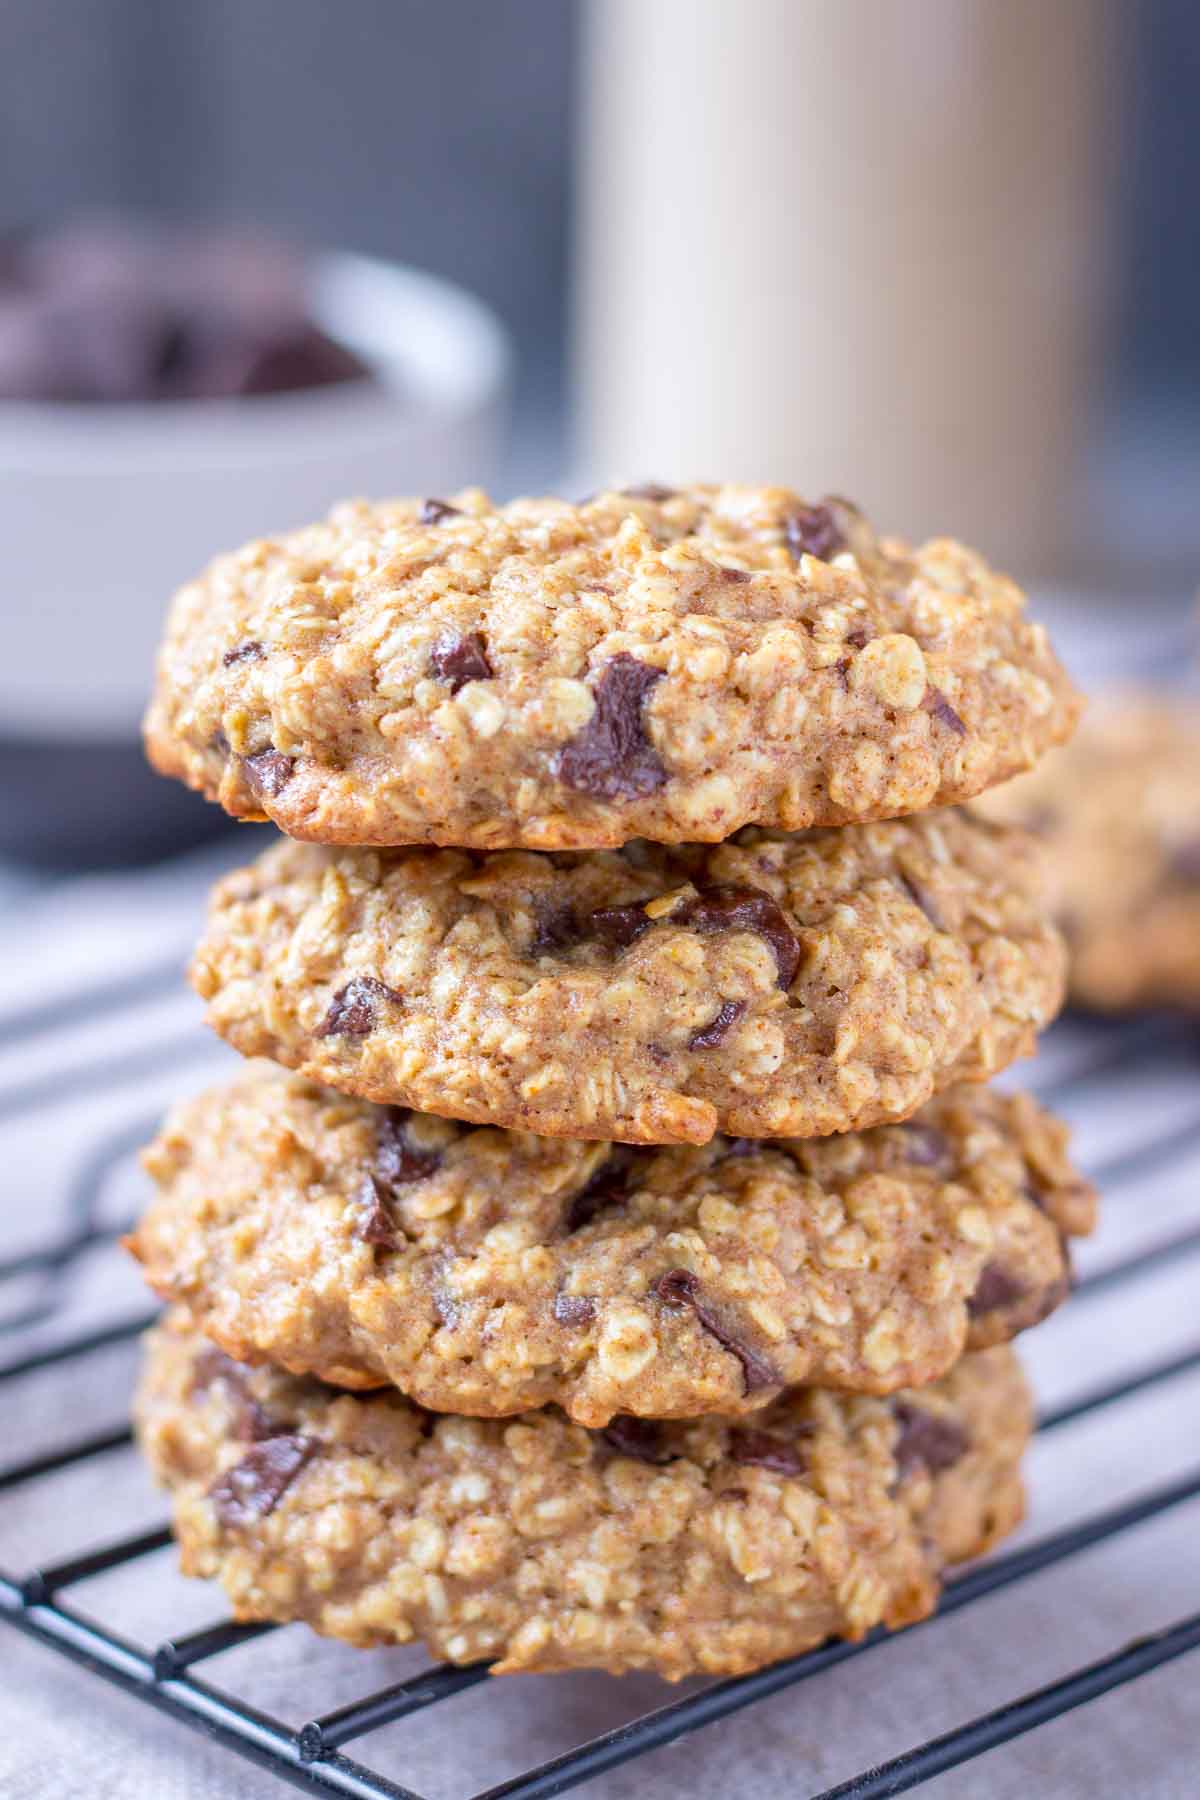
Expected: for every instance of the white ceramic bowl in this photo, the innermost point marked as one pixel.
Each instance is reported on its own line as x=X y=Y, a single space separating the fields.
x=105 y=509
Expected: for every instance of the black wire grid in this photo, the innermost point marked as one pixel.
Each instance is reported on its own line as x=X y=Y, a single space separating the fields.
x=163 y=1675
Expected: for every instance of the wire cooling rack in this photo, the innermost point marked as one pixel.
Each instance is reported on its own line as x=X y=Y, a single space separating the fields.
x=311 y=1753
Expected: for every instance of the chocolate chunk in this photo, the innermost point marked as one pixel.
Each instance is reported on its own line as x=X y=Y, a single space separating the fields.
x=255 y=1486
x=765 y=1452
x=554 y=927
x=639 y=1438
x=679 y=1287
x=612 y=758
x=619 y=926
x=211 y=1365
x=813 y=531
x=1184 y=863
x=269 y=771
x=458 y=658
x=860 y=639
x=433 y=511
x=251 y=651
x=714 y=1032
x=996 y=1287
x=608 y=1186
x=352 y=1009
x=926 y=1440
x=252 y=1423
x=574 y=1309
x=375 y=1223
x=398 y=1162
x=936 y=703
x=303 y=358
x=922 y=897
x=744 y=909
x=926 y=1146
x=648 y=490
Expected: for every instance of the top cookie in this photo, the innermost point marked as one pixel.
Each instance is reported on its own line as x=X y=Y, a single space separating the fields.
x=668 y=664
x=1120 y=814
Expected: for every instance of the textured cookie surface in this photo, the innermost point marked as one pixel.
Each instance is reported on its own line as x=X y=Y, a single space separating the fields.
x=486 y=1272
x=1120 y=814
x=661 y=664
x=777 y=986
x=708 y=1547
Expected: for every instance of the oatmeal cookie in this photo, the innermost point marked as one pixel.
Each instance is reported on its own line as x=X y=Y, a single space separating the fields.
x=694 y=1548
x=775 y=986
x=1120 y=815
x=485 y=1272
x=667 y=664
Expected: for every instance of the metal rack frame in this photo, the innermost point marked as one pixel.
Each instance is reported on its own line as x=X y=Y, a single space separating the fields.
x=312 y=1756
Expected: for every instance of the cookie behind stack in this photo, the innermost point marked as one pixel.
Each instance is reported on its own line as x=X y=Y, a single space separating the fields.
x=706 y=1382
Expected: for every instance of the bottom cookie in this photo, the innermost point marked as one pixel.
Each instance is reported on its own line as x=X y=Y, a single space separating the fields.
x=706 y=1547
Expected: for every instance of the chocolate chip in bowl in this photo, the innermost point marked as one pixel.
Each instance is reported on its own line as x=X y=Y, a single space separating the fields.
x=111 y=311
x=161 y=392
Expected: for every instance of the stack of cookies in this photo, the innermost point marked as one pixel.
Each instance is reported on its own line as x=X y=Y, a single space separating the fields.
x=614 y=1259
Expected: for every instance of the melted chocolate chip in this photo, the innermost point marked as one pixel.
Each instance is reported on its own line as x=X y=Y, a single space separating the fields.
x=209 y=1365
x=398 y=1162
x=433 y=511
x=936 y=703
x=255 y=1486
x=710 y=1035
x=352 y=1009
x=252 y=1423
x=457 y=658
x=251 y=651
x=859 y=639
x=269 y=771
x=375 y=1223
x=648 y=490
x=926 y=1440
x=639 y=1438
x=574 y=1309
x=619 y=926
x=765 y=1452
x=612 y=758
x=608 y=1186
x=1184 y=864
x=926 y=1146
x=922 y=897
x=554 y=927
x=813 y=531
x=744 y=909
x=735 y=577
x=679 y=1287
x=996 y=1287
